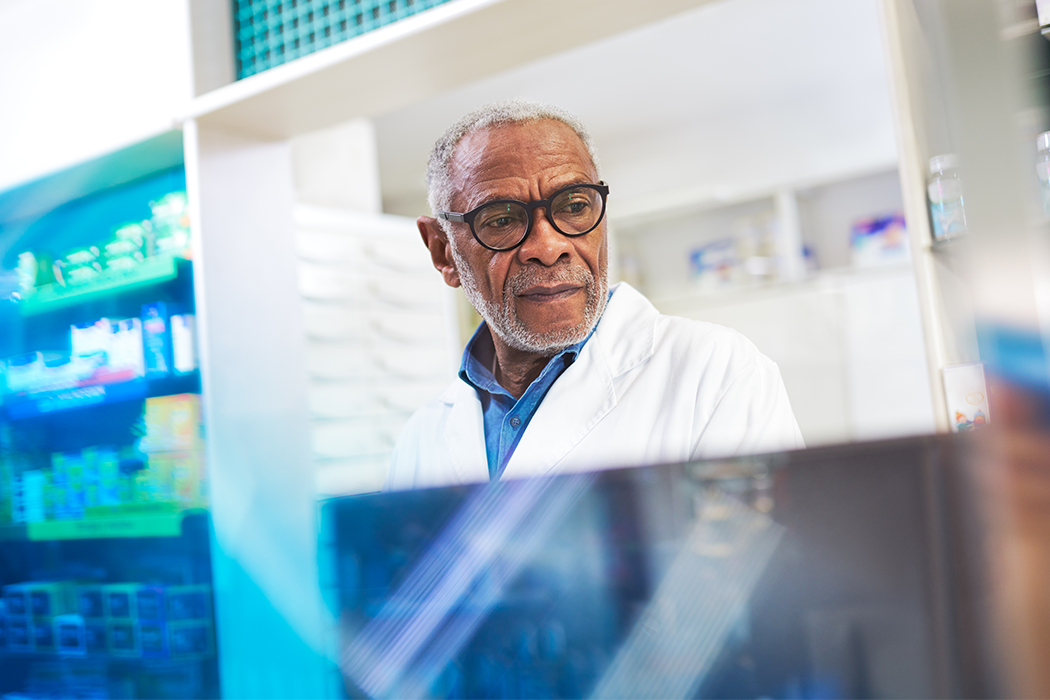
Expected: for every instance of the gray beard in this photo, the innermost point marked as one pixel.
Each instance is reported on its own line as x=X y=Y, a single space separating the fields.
x=504 y=322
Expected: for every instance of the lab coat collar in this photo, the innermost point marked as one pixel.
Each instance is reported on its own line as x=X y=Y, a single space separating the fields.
x=577 y=402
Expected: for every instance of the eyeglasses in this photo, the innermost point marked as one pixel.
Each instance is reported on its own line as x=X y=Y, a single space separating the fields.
x=505 y=223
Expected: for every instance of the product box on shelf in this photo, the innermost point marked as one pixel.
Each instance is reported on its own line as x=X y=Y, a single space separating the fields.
x=16 y=600
x=173 y=423
x=43 y=631
x=70 y=639
x=149 y=603
x=190 y=639
x=3 y=627
x=19 y=634
x=153 y=639
x=95 y=636
x=156 y=340
x=122 y=638
x=90 y=601
x=120 y=600
x=188 y=602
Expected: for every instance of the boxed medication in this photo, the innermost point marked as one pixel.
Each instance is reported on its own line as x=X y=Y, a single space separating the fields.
x=19 y=634
x=69 y=635
x=153 y=639
x=122 y=638
x=149 y=602
x=16 y=600
x=95 y=636
x=89 y=601
x=118 y=600
x=188 y=602
x=43 y=631
x=172 y=423
x=190 y=639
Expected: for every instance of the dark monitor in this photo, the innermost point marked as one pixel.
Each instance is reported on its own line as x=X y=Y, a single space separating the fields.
x=824 y=573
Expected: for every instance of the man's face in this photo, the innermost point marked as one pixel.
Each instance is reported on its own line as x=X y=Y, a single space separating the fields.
x=547 y=293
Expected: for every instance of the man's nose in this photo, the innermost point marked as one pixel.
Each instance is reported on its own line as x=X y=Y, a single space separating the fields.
x=544 y=244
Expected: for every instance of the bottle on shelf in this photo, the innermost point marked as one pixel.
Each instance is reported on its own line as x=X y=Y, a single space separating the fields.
x=945 y=192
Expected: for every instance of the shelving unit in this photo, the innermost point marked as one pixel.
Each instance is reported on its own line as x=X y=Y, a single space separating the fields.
x=115 y=495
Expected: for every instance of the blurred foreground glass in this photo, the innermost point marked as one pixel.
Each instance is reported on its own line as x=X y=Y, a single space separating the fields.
x=822 y=573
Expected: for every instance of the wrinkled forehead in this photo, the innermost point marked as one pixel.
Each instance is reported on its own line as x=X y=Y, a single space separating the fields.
x=517 y=150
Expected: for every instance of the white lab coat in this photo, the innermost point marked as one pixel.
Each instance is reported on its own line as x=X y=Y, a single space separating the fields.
x=646 y=389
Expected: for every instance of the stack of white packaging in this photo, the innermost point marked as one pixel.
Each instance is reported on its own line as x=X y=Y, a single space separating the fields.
x=382 y=338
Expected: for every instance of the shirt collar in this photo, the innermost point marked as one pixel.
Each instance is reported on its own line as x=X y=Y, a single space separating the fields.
x=479 y=358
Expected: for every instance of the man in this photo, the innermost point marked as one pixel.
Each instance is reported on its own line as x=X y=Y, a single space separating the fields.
x=564 y=373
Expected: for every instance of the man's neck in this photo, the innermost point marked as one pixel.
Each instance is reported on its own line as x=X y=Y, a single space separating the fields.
x=516 y=369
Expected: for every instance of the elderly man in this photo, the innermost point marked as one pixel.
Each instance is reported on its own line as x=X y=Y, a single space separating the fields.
x=566 y=373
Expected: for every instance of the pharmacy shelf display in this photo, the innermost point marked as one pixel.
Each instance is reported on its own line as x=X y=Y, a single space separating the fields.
x=105 y=568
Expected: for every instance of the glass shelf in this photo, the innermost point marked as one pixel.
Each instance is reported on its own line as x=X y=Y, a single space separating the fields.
x=153 y=270
x=31 y=406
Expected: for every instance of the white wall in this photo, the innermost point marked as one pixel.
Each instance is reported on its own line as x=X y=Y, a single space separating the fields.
x=79 y=78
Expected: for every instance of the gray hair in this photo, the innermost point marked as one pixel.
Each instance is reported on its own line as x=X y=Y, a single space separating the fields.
x=439 y=177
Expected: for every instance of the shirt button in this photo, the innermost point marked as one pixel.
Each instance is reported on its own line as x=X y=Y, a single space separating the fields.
x=515 y=422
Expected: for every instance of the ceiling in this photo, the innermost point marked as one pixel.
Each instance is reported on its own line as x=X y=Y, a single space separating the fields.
x=732 y=99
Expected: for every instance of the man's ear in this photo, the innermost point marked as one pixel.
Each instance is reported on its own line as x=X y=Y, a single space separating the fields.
x=436 y=241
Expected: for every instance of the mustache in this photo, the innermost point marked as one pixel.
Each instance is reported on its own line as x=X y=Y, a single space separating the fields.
x=565 y=273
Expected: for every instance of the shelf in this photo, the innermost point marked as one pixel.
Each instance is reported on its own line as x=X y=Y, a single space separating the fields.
x=60 y=400
x=828 y=279
x=153 y=270
x=353 y=78
x=163 y=520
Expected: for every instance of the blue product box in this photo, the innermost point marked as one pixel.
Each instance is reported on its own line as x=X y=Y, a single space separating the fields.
x=70 y=638
x=95 y=636
x=190 y=639
x=156 y=340
x=3 y=633
x=89 y=602
x=120 y=600
x=122 y=639
x=19 y=634
x=188 y=602
x=153 y=639
x=43 y=632
x=149 y=603
x=16 y=599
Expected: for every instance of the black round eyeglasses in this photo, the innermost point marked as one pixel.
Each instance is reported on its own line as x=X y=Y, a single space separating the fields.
x=505 y=223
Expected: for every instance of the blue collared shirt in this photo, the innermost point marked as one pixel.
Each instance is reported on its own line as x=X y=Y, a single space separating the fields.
x=506 y=417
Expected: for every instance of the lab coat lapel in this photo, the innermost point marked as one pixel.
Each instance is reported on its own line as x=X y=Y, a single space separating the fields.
x=465 y=436
x=585 y=393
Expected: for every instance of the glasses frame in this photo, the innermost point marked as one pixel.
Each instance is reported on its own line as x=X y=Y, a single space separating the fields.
x=468 y=218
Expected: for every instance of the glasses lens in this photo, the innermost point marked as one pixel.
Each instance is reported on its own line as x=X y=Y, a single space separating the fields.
x=501 y=224
x=576 y=210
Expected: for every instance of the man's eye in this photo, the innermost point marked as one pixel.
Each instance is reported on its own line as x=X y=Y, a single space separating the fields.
x=502 y=218
x=574 y=207
x=499 y=222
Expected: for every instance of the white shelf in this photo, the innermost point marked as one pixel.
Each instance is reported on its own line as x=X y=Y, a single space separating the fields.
x=414 y=58
x=827 y=279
